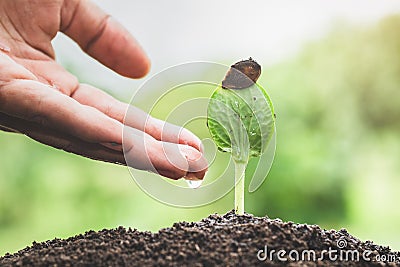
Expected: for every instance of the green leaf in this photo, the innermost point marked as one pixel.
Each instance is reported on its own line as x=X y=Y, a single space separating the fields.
x=241 y=121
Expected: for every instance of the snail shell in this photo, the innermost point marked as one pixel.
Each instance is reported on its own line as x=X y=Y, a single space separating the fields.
x=242 y=74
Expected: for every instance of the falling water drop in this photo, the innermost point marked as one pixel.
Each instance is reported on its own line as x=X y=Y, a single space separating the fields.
x=194 y=183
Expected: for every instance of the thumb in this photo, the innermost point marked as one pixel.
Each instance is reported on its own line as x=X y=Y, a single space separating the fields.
x=103 y=38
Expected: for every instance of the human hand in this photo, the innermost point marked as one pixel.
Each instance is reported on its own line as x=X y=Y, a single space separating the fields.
x=42 y=100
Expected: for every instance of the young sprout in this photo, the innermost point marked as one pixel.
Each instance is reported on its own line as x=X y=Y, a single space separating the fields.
x=241 y=120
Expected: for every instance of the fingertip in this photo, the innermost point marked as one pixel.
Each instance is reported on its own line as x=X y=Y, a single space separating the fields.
x=143 y=69
x=197 y=163
x=136 y=73
x=189 y=138
x=124 y=54
x=104 y=38
x=190 y=153
x=196 y=175
x=191 y=176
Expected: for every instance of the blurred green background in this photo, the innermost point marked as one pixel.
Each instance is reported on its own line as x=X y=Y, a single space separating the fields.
x=337 y=162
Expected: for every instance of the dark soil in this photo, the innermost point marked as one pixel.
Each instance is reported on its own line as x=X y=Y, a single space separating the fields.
x=227 y=240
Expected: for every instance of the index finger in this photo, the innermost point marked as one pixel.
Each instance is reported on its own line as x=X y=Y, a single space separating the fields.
x=135 y=117
x=103 y=38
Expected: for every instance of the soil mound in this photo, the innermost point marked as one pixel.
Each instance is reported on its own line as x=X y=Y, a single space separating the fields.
x=218 y=240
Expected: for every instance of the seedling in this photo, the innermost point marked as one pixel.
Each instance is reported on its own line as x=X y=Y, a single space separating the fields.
x=241 y=120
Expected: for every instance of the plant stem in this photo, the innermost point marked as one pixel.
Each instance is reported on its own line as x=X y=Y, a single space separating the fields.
x=240 y=168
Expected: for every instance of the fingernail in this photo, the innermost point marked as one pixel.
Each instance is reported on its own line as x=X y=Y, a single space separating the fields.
x=190 y=153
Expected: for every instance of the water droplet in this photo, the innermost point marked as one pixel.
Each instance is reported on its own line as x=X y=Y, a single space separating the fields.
x=194 y=183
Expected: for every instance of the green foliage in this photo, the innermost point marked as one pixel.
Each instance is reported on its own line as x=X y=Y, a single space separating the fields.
x=241 y=121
